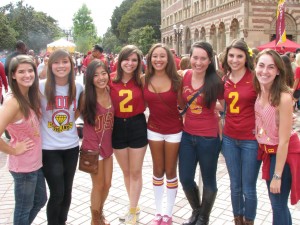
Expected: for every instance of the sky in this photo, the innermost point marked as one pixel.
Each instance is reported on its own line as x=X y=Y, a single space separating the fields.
x=64 y=10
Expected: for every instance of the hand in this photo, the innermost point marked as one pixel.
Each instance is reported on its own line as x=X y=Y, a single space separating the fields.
x=294 y=119
x=275 y=186
x=23 y=146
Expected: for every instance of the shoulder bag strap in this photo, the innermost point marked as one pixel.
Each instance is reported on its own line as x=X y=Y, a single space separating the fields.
x=191 y=100
x=161 y=99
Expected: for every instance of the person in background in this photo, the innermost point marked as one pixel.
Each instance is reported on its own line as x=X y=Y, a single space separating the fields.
x=239 y=145
x=96 y=53
x=75 y=65
x=161 y=92
x=129 y=138
x=176 y=59
x=79 y=64
x=42 y=68
x=200 y=142
x=279 y=145
x=20 y=114
x=21 y=49
x=292 y=56
x=35 y=58
x=289 y=74
x=296 y=85
x=3 y=81
x=98 y=114
x=184 y=65
x=59 y=106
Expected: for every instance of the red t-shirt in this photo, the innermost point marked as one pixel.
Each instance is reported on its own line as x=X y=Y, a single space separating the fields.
x=127 y=99
x=3 y=77
x=90 y=58
x=240 y=99
x=177 y=62
x=199 y=120
x=164 y=116
x=297 y=76
x=92 y=135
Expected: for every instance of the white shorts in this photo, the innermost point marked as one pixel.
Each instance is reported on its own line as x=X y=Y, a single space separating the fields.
x=172 y=138
x=100 y=157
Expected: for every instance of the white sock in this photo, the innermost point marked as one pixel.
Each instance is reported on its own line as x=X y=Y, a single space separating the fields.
x=158 y=187
x=172 y=186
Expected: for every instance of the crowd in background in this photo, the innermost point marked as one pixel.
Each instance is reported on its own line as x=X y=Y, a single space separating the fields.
x=238 y=103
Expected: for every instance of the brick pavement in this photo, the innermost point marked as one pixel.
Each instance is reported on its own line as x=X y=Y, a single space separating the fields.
x=117 y=199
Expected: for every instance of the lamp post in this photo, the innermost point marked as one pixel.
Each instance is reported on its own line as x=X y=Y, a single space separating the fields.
x=68 y=33
x=178 y=33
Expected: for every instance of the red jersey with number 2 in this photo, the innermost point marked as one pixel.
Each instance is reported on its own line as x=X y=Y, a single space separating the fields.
x=240 y=99
x=127 y=99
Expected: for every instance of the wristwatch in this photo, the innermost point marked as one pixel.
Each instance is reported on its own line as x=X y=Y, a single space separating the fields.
x=276 y=177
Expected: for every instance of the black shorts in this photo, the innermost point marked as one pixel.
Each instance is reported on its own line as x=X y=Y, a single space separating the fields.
x=130 y=132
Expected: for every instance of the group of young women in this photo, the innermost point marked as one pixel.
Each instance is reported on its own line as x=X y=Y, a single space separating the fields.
x=258 y=109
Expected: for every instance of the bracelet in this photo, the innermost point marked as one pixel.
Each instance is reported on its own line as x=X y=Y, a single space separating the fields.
x=276 y=177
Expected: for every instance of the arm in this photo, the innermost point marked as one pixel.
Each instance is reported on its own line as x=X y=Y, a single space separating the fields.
x=220 y=105
x=285 y=109
x=296 y=83
x=10 y=112
x=43 y=73
x=80 y=106
x=297 y=78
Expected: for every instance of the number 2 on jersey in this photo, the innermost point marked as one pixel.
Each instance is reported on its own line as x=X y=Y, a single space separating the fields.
x=232 y=107
x=124 y=108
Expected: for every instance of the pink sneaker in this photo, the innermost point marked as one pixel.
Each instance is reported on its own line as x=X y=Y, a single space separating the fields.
x=166 y=220
x=157 y=220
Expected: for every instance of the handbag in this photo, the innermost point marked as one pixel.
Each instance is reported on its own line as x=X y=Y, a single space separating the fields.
x=88 y=159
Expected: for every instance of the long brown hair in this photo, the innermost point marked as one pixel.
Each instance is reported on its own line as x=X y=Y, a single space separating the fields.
x=33 y=101
x=50 y=86
x=123 y=55
x=241 y=45
x=171 y=70
x=213 y=85
x=90 y=96
x=279 y=84
x=289 y=74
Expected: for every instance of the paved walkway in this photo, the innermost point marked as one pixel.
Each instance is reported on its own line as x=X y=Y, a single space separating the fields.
x=117 y=199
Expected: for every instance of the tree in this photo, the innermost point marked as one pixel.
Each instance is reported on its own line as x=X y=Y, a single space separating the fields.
x=110 y=42
x=84 y=30
x=117 y=15
x=142 y=13
x=143 y=38
x=36 y=29
x=7 y=34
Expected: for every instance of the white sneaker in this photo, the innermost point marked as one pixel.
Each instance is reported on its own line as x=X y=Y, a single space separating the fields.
x=125 y=214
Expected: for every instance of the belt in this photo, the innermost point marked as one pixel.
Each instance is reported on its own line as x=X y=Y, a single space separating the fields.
x=269 y=149
x=130 y=118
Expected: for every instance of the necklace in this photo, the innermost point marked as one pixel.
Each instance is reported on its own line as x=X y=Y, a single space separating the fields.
x=125 y=82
